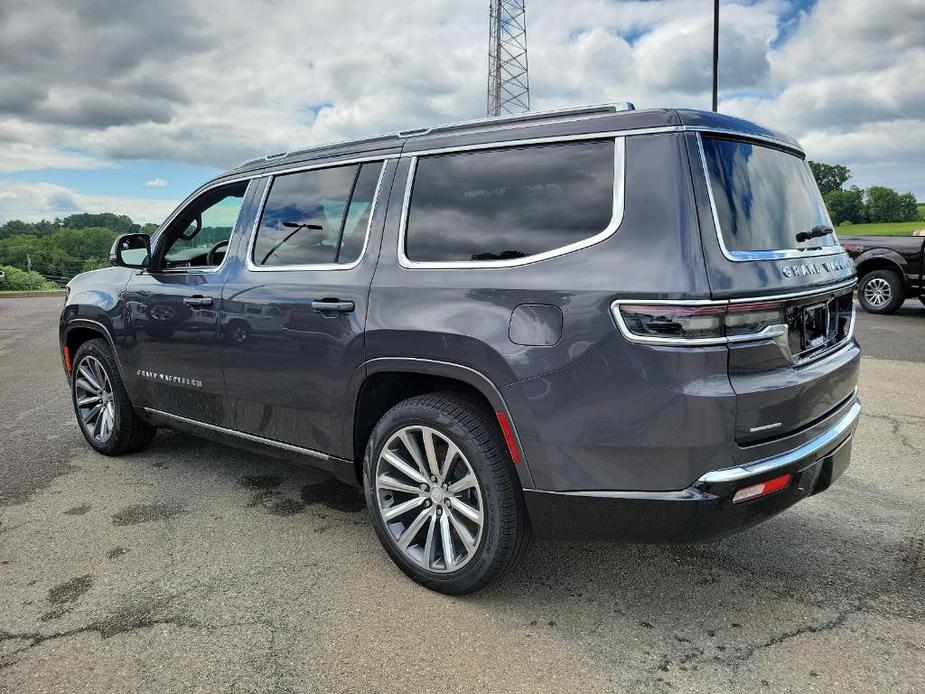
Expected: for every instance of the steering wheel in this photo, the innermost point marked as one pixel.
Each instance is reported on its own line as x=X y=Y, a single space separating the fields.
x=210 y=258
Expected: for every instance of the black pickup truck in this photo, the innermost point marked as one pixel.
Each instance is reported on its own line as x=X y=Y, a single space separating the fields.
x=889 y=270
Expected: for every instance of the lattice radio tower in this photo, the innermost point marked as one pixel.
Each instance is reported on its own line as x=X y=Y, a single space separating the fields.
x=508 y=86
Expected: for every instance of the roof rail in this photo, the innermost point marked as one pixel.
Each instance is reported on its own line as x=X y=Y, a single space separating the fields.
x=522 y=117
x=418 y=132
x=317 y=148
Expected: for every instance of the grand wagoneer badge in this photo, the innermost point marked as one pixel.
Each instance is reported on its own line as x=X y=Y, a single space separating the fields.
x=814 y=268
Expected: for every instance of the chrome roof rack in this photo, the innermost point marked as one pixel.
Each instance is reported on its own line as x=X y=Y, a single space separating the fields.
x=597 y=109
x=521 y=118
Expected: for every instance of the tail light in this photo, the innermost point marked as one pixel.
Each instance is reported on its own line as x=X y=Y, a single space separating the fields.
x=699 y=324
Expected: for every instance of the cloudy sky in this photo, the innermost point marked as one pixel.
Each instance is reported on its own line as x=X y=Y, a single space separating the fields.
x=125 y=106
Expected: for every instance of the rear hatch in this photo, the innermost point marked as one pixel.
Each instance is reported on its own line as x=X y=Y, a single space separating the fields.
x=772 y=254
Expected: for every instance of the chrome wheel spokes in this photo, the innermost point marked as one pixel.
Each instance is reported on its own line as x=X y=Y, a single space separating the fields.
x=877 y=292
x=429 y=498
x=94 y=400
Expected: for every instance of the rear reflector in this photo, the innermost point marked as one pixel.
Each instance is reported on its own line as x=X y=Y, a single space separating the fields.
x=775 y=484
x=509 y=438
x=67 y=359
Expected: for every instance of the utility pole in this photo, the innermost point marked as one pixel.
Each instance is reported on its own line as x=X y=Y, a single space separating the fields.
x=715 y=51
x=29 y=270
x=508 y=85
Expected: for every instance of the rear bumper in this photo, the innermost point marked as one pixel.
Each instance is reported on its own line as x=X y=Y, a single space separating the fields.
x=704 y=510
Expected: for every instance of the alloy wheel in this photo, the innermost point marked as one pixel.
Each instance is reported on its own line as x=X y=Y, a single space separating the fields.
x=94 y=398
x=877 y=292
x=429 y=499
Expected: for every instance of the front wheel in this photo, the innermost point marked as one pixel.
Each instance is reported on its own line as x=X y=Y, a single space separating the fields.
x=442 y=493
x=104 y=412
x=881 y=291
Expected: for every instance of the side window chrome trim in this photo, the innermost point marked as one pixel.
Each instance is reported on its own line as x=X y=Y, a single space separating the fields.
x=745 y=256
x=253 y=267
x=204 y=269
x=619 y=182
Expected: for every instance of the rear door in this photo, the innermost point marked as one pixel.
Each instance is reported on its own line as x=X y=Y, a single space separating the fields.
x=295 y=309
x=772 y=253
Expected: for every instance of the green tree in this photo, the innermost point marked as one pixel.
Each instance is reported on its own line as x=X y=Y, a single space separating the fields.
x=845 y=205
x=909 y=208
x=15 y=250
x=13 y=228
x=883 y=205
x=829 y=177
x=119 y=223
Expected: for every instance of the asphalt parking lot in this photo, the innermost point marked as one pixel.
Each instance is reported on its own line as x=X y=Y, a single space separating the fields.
x=194 y=567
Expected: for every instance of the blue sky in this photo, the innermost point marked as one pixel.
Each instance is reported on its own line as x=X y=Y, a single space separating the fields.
x=127 y=178
x=175 y=92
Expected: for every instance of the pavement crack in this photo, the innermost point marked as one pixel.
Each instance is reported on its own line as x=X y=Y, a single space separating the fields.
x=896 y=423
x=839 y=619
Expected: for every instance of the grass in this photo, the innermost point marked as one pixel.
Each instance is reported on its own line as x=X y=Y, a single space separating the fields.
x=881 y=228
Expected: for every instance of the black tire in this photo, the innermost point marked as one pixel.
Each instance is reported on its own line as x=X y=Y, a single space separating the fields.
x=881 y=291
x=129 y=432
x=237 y=332
x=469 y=424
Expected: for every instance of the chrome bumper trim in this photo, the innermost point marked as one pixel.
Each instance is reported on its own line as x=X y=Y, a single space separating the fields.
x=732 y=474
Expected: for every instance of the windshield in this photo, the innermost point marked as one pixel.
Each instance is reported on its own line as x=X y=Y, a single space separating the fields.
x=764 y=198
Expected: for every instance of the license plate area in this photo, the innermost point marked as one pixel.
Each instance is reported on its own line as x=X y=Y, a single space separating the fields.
x=818 y=325
x=817 y=328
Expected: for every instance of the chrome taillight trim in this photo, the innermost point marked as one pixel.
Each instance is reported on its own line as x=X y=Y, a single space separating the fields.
x=770 y=332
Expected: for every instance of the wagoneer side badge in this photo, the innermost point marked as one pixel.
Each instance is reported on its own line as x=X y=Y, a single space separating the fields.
x=814 y=268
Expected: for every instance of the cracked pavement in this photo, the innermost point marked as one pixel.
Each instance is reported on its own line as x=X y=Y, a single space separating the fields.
x=195 y=567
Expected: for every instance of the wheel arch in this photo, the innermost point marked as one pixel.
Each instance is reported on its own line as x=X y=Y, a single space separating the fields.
x=81 y=330
x=383 y=382
x=881 y=259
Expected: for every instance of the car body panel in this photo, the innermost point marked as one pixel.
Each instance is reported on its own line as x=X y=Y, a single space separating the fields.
x=592 y=411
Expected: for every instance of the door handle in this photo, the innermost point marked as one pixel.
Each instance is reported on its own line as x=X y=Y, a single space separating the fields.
x=333 y=306
x=198 y=300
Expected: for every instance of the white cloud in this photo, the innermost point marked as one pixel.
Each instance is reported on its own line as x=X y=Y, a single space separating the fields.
x=23 y=156
x=216 y=83
x=31 y=202
x=156 y=183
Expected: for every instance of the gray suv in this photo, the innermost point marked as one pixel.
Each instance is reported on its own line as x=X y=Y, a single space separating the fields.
x=596 y=323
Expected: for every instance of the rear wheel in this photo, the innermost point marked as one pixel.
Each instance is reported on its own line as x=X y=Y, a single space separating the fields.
x=442 y=493
x=881 y=291
x=104 y=412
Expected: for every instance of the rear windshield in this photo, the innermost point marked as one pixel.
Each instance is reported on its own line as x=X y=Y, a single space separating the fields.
x=764 y=197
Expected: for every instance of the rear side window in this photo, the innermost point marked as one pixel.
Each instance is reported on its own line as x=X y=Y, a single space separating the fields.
x=764 y=197
x=317 y=217
x=509 y=203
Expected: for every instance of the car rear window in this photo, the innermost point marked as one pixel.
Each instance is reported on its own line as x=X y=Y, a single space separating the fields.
x=764 y=197
x=509 y=203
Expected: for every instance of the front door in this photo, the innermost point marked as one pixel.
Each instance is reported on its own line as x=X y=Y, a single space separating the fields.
x=295 y=311
x=173 y=309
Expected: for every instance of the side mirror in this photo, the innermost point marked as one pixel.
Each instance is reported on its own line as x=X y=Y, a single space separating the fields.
x=131 y=250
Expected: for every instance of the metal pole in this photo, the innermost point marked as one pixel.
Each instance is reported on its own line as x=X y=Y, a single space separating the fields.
x=715 y=50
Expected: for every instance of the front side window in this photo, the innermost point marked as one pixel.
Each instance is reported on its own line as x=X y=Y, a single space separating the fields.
x=199 y=236
x=509 y=203
x=317 y=217
x=764 y=197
